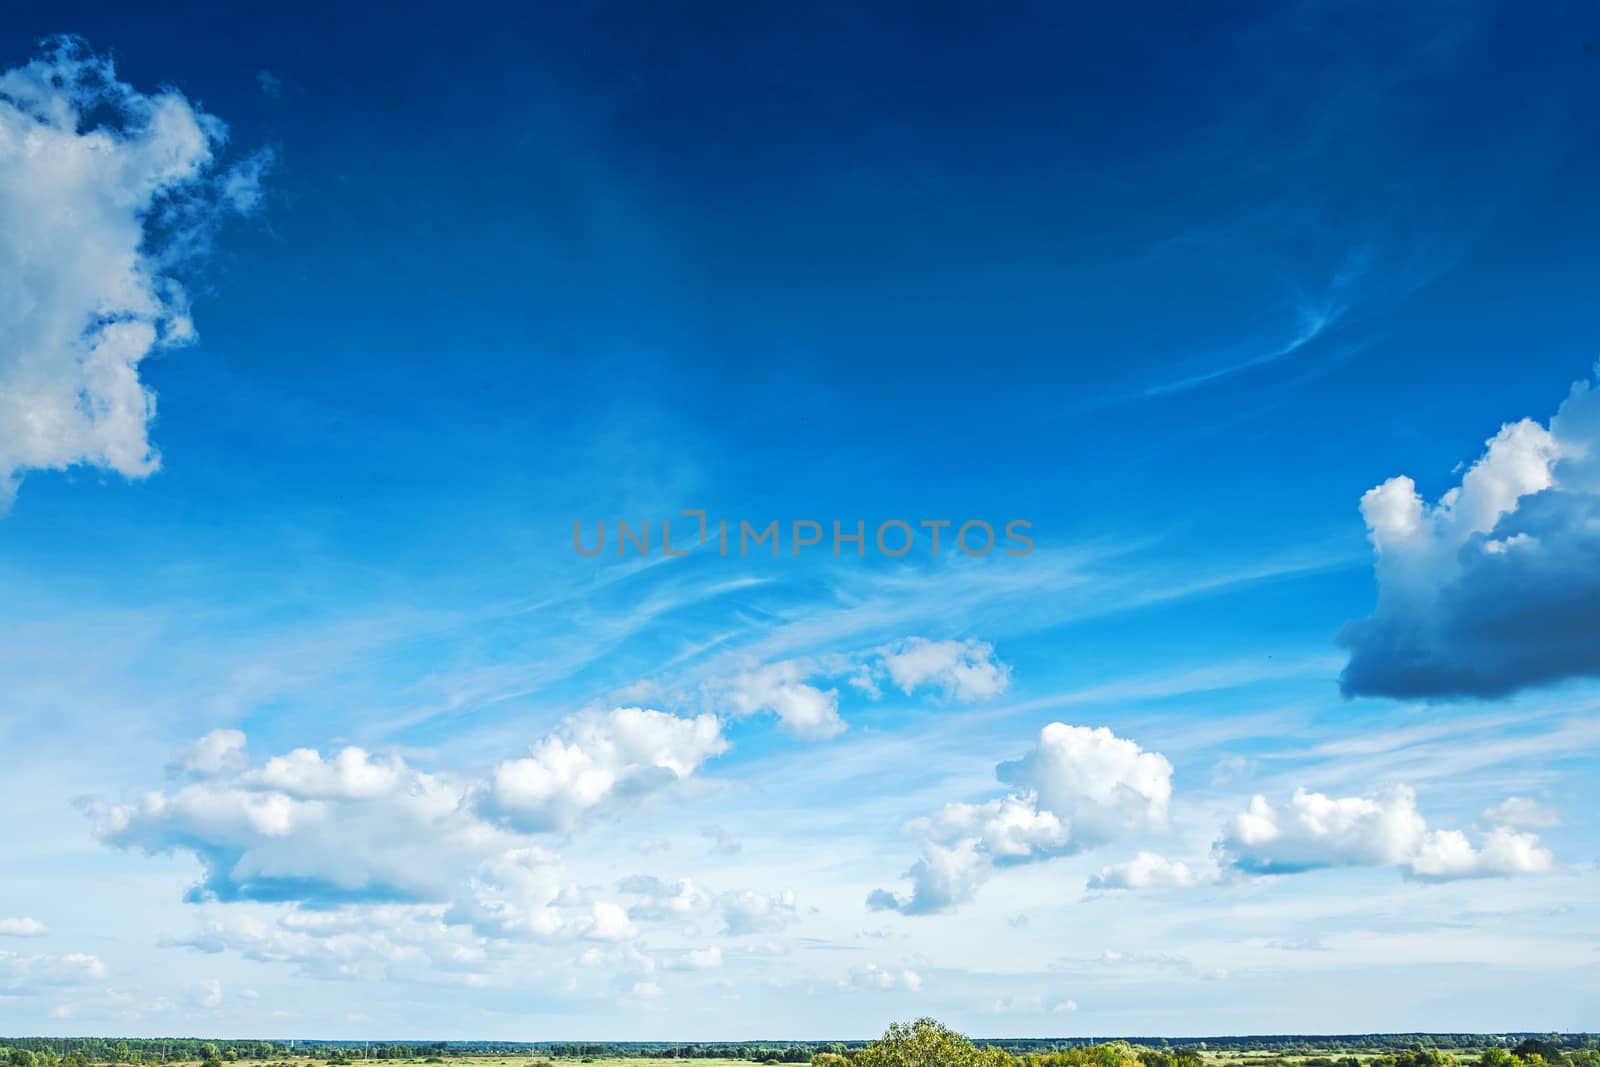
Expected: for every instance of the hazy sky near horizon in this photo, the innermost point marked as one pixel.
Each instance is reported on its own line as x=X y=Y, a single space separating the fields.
x=320 y=329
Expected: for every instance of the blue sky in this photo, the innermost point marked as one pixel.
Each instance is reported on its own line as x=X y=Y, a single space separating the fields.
x=318 y=332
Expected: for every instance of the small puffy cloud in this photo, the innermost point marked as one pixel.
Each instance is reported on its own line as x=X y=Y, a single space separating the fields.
x=1147 y=870
x=1104 y=786
x=885 y=979
x=750 y=912
x=721 y=841
x=1522 y=813
x=22 y=927
x=783 y=689
x=1027 y=1004
x=219 y=752
x=1064 y=1007
x=1495 y=587
x=942 y=879
x=798 y=691
x=1078 y=788
x=101 y=186
x=964 y=671
x=206 y=995
x=1382 y=830
x=600 y=759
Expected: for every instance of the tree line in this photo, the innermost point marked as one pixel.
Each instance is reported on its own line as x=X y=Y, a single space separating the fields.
x=1394 y=1050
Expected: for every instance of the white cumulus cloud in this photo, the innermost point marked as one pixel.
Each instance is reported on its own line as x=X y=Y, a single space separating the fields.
x=1147 y=870
x=1494 y=587
x=1078 y=788
x=1384 y=829
x=782 y=689
x=87 y=164
x=599 y=759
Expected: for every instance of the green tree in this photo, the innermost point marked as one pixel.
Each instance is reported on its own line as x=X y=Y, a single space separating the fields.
x=927 y=1043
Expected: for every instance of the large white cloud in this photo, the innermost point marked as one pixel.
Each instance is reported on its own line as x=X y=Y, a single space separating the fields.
x=1497 y=585
x=85 y=162
x=1078 y=788
x=1384 y=829
x=351 y=826
x=323 y=830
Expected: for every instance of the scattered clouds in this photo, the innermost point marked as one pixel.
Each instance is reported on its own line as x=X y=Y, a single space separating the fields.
x=90 y=170
x=962 y=671
x=1495 y=587
x=1381 y=830
x=344 y=943
x=740 y=912
x=1078 y=788
x=22 y=927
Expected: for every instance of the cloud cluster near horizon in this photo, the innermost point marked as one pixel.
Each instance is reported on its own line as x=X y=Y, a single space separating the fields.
x=1496 y=587
x=90 y=171
x=1080 y=788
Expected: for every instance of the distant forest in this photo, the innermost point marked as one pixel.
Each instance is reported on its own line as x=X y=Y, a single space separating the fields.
x=1570 y=1050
